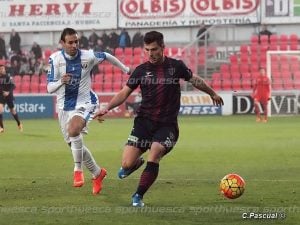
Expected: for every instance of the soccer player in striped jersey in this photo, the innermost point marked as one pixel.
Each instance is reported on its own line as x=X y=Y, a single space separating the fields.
x=155 y=126
x=69 y=77
x=261 y=95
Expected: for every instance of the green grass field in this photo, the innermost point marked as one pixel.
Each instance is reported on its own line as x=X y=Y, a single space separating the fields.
x=36 y=174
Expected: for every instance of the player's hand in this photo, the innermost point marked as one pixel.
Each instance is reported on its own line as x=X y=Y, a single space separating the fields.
x=66 y=78
x=98 y=115
x=128 y=71
x=5 y=93
x=217 y=100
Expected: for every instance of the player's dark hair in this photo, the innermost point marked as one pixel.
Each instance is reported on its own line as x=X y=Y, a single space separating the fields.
x=67 y=31
x=154 y=36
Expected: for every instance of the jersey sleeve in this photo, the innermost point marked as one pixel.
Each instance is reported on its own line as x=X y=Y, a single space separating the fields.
x=99 y=57
x=183 y=71
x=53 y=76
x=134 y=79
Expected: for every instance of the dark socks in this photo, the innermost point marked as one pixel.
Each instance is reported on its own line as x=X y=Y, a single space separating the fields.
x=16 y=117
x=148 y=177
x=1 y=121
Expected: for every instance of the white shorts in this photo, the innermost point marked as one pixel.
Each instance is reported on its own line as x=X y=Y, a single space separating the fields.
x=86 y=111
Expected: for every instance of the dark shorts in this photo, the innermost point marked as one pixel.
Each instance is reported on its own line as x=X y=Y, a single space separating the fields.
x=145 y=132
x=9 y=100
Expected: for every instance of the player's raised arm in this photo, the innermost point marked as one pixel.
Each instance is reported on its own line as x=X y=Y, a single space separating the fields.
x=116 y=62
x=201 y=85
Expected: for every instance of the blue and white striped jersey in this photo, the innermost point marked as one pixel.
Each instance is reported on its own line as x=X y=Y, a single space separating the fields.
x=78 y=92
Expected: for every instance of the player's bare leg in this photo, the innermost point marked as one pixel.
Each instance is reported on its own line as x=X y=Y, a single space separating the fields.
x=131 y=161
x=257 y=110
x=265 y=108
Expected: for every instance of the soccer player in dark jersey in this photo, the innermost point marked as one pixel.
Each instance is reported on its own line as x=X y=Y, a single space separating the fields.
x=261 y=95
x=155 y=126
x=7 y=97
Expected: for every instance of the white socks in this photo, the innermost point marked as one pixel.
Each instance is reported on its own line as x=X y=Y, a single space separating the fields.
x=77 y=151
x=82 y=155
x=90 y=162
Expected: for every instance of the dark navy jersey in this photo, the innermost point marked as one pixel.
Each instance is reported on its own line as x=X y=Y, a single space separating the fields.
x=6 y=84
x=160 y=89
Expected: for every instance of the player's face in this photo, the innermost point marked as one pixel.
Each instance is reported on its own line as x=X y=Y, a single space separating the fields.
x=262 y=72
x=2 y=70
x=71 y=44
x=154 y=52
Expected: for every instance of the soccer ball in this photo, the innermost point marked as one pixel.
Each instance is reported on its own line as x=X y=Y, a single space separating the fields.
x=232 y=186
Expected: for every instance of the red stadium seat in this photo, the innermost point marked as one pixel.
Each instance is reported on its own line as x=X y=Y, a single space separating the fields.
x=288 y=83
x=246 y=84
x=97 y=87
x=119 y=52
x=244 y=57
x=25 y=87
x=236 y=76
x=284 y=67
x=297 y=75
x=254 y=67
x=43 y=78
x=276 y=74
x=244 y=68
x=233 y=59
x=226 y=84
x=236 y=84
x=137 y=52
x=277 y=84
x=273 y=39
x=264 y=40
x=108 y=69
x=117 y=86
x=224 y=68
x=35 y=87
x=128 y=51
x=297 y=84
x=254 y=39
x=216 y=84
x=244 y=49
x=47 y=52
x=225 y=76
x=234 y=68
x=43 y=88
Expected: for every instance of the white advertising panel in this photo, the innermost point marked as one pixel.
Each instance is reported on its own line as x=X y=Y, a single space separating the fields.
x=180 y=13
x=54 y=15
x=281 y=11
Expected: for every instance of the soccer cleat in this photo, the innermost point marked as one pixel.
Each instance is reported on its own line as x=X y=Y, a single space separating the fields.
x=97 y=182
x=20 y=127
x=137 y=200
x=78 y=179
x=125 y=173
x=264 y=120
x=1 y=130
x=257 y=119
